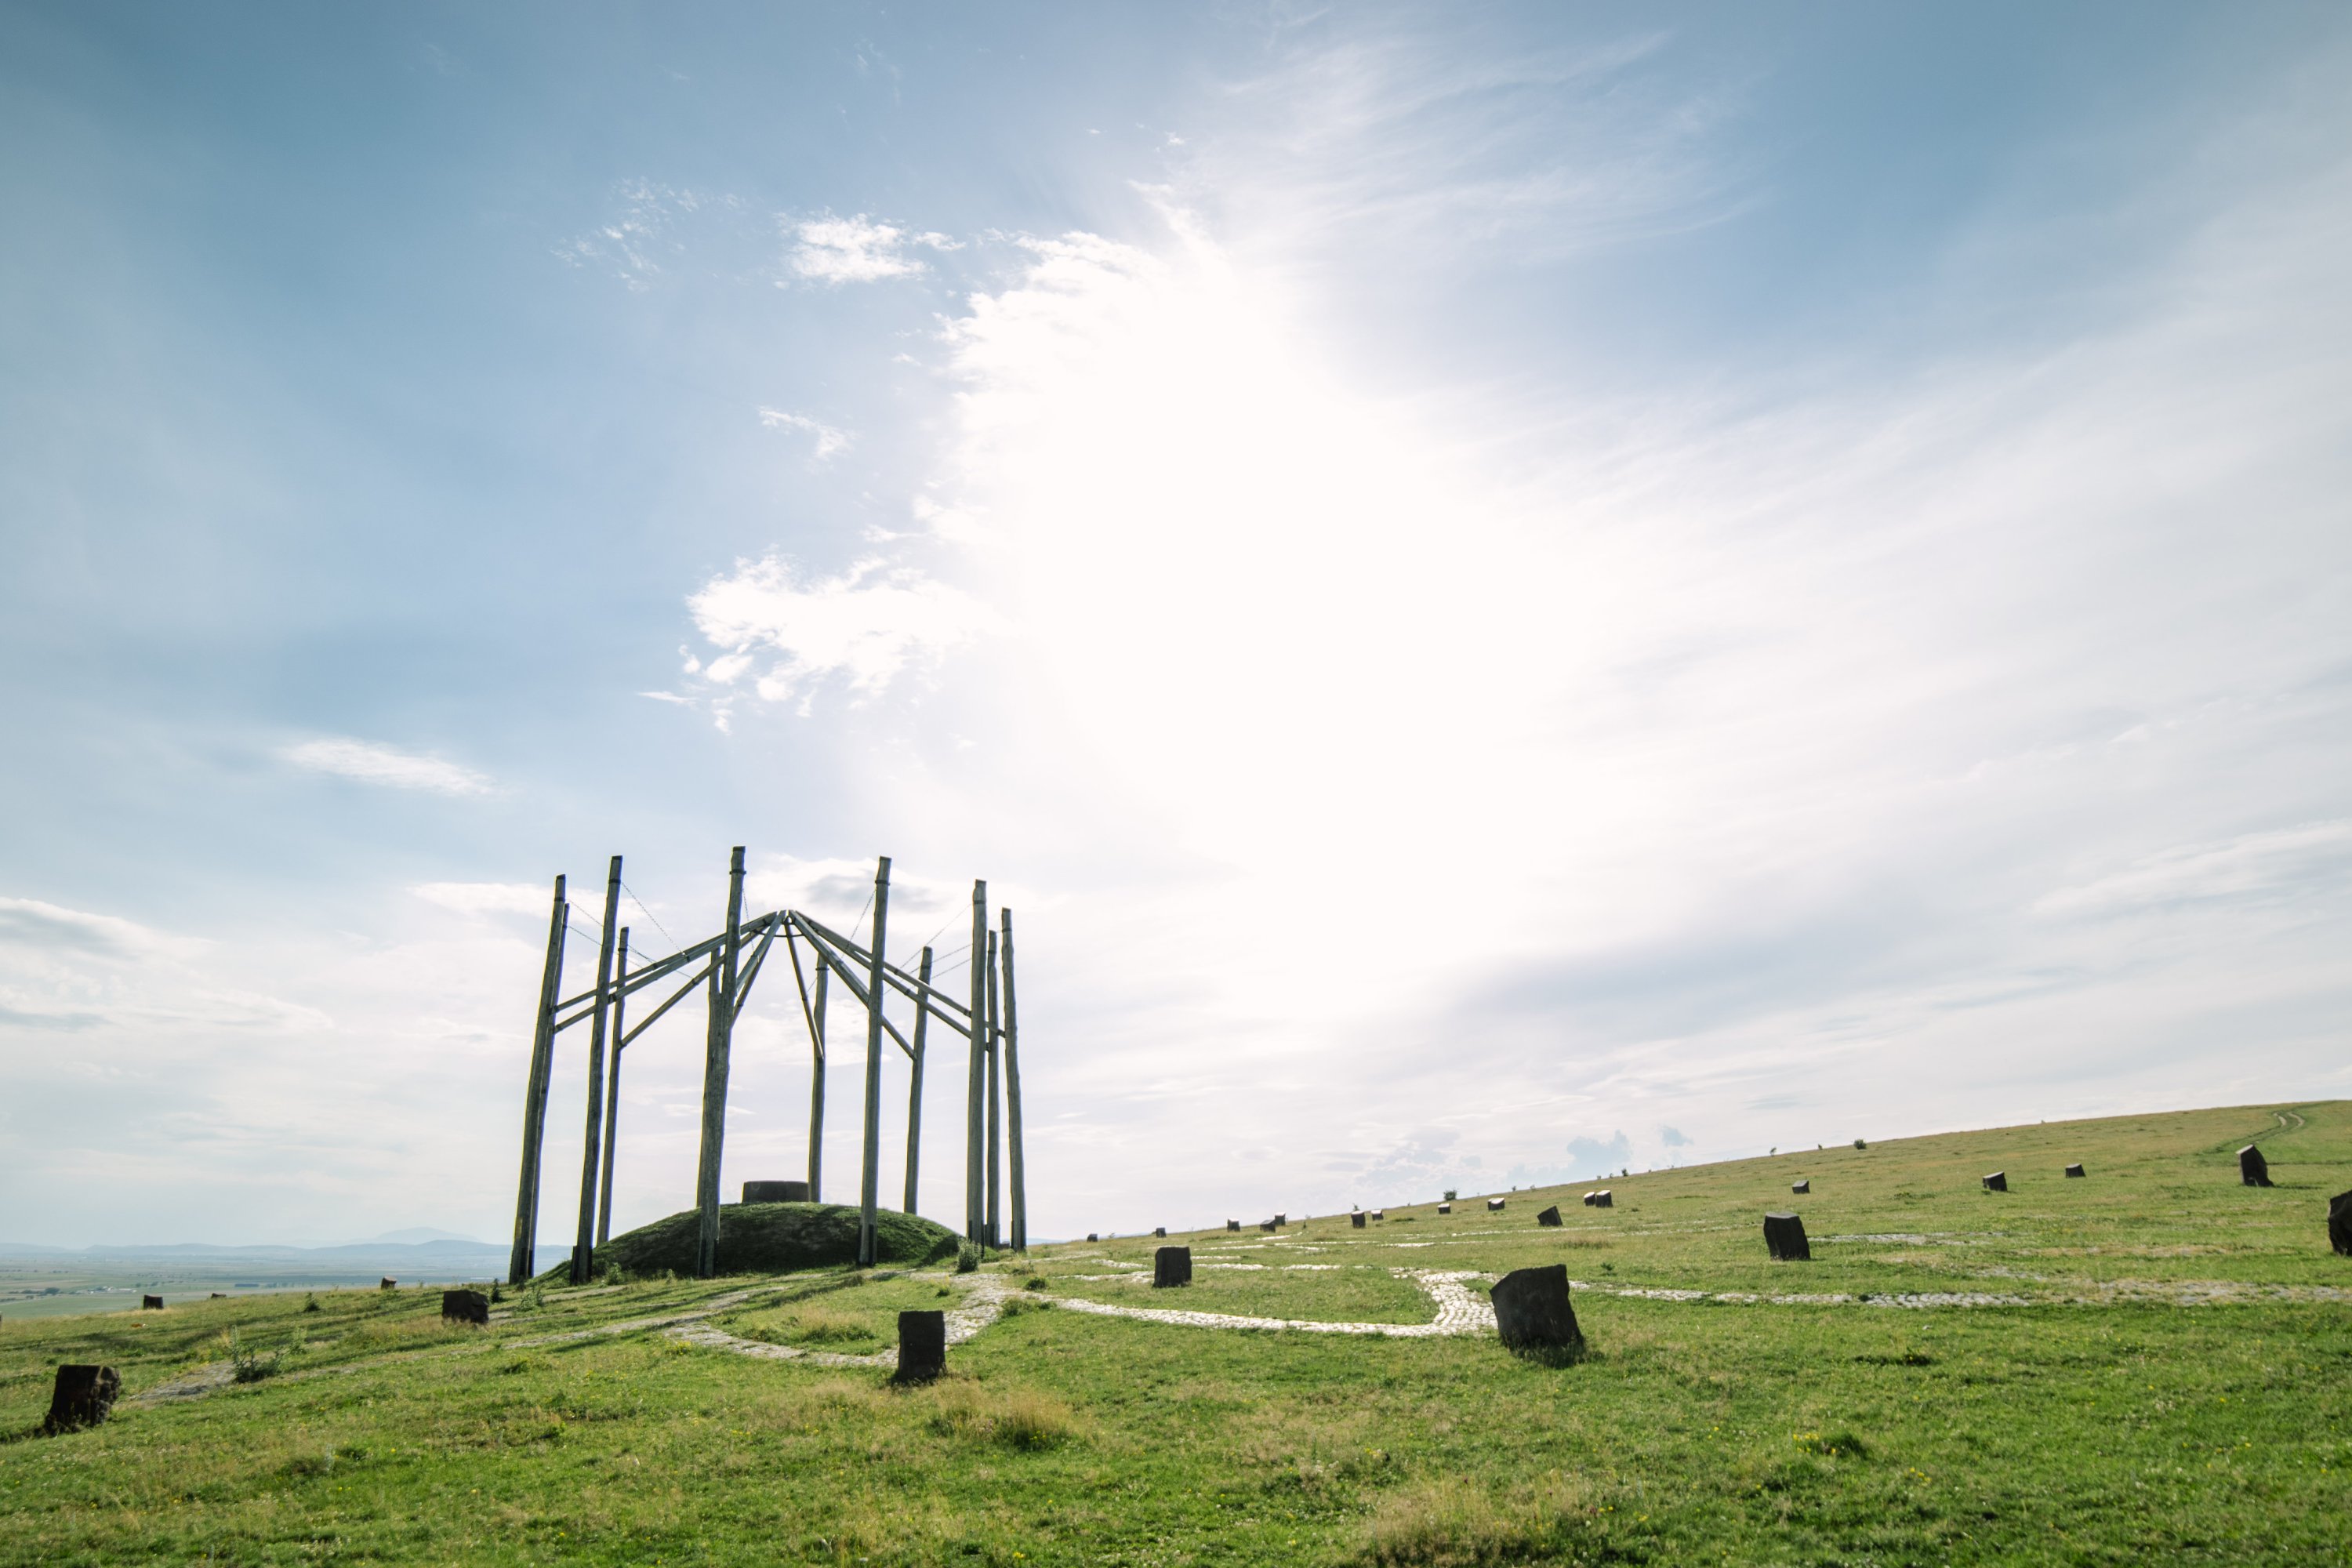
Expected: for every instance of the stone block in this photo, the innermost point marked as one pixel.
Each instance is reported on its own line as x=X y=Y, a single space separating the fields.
x=81 y=1397
x=1549 y=1215
x=1171 y=1266
x=1356 y=1219
x=1532 y=1310
x=2253 y=1169
x=1997 y=1182
x=922 y=1346
x=1601 y=1199
x=2339 y=1223
x=1784 y=1238
x=388 y=1283
x=1266 y=1225
x=1160 y=1231
x=151 y=1304
x=1280 y=1220
x=466 y=1306
x=1380 y=1214
x=775 y=1192
x=1445 y=1208
x=1232 y=1224
x=1802 y=1188
x=1092 y=1236
x=2075 y=1170
x=1494 y=1205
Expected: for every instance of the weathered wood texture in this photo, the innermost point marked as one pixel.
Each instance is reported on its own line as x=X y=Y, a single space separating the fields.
x=612 y=1098
x=2075 y=1170
x=914 y=1081
x=1997 y=1182
x=975 y=1134
x=1014 y=1171
x=717 y=1054
x=521 y=1260
x=583 y=1241
x=869 y=1170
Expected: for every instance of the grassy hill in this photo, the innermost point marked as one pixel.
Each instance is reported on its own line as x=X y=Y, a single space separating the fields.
x=771 y=1239
x=2150 y=1364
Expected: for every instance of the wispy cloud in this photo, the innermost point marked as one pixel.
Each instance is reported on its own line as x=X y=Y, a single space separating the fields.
x=370 y=761
x=868 y=624
x=829 y=442
x=485 y=897
x=857 y=249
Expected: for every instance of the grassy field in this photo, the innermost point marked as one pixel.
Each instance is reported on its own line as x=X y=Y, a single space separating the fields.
x=2150 y=1365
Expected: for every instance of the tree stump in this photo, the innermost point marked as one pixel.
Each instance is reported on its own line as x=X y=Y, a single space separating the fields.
x=2339 y=1223
x=2253 y=1169
x=466 y=1306
x=775 y=1192
x=1171 y=1266
x=922 y=1346
x=151 y=1304
x=1494 y=1205
x=1356 y=1219
x=1532 y=1312
x=1550 y=1216
x=1784 y=1238
x=1802 y=1188
x=1998 y=1182
x=1601 y=1199
x=2075 y=1170
x=82 y=1396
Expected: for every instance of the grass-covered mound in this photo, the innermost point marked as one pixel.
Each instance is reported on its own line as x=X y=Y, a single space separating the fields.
x=775 y=1238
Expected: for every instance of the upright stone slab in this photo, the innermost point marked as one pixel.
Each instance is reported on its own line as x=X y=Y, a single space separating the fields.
x=1784 y=1238
x=2339 y=1223
x=1092 y=1236
x=1802 y=1188
x=922 y=1346
x=388 y=1283
x=1232 y=1224
x=1380 y=1214
x=466 y=1306
x=1549 y=1216
x=151 y=1304
x=775 y=1192
x=1494 y=1205
x=1602 y=1199
x=81 y=1397
x=2075 y=1170
x=1171 y=1266
x=1997 y=1182
x=2253 y=1169
x=1266 y=1225
x=1280 y=1220
x=1445 y=1208
x=1532 y=1313
x=1160 y=1231
x=1356 y=1218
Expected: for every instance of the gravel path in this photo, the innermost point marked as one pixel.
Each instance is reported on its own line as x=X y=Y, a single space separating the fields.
x=1458 y=1312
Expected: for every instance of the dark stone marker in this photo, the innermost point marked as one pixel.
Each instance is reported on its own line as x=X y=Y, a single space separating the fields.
x=2253 y=1169
x=1356 y=1219
x=1380 y=1214
x=1232 y=1224
x=1494 y=1205
x=1280 y=1220
x=220 y=1296
x=1531 y=1309
x=1601 y=1199
x=922 y=1346
x=1445 y=1208
x=389 y=1283
x=2339 y=1223
x=1171 y=1266
x=83 y=1396
x=1092 y=1236
x=466 y=1306
x=1784 y=1238
x=2075 y=1170
x=1997 y=1182
x=1587 y=1200
x=1160 y=1231
x=151 y=1304
x=1800 y=1188
x=1266 y=1225
x=775 y=1192
x=1549 y=1215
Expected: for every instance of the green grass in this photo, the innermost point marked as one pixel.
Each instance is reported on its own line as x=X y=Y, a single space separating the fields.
x=2105 y=1423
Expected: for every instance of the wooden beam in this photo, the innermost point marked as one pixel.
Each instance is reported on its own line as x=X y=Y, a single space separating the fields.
x=534 y=1096
x=848 y=977
x=714 y=1073
x=1011 y=1045
x=973 y=1214
x=612 y=1101
x=906 y=985
x=816 y=1086
x=915 y=1085
x=584 y=1243
x=650 y=1019
x=869 y=1170
x=995 y=1108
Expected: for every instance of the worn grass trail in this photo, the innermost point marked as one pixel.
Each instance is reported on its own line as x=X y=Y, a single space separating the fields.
x=2106 y=1421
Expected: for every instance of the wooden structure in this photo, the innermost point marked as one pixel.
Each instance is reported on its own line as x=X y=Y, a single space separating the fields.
x=724 y=968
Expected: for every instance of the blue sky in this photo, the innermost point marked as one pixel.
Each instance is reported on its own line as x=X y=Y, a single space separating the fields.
x=1495 y=589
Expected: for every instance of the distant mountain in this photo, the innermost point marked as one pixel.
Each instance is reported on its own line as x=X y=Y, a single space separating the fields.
x=388 y=1257
x=421 y=1233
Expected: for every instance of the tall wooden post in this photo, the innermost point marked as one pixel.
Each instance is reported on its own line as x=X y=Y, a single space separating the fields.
x=534 y=1096
x=817 y=1087
x=583 y=1244
x=612 y=1094
x=974 y=1205
x=1011 y=1048
x=714 y=1072
x=995 y=1108
x=915 y=1087
x=869 y=1174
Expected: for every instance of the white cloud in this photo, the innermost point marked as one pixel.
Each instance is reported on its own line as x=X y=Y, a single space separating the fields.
x=488 y=898
x=370 y=761
x=829 y=442
x=2250 y=865
x=868 y=624
x=857 y=249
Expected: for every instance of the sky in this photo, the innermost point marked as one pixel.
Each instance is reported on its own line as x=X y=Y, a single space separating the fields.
x=1505 y=591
